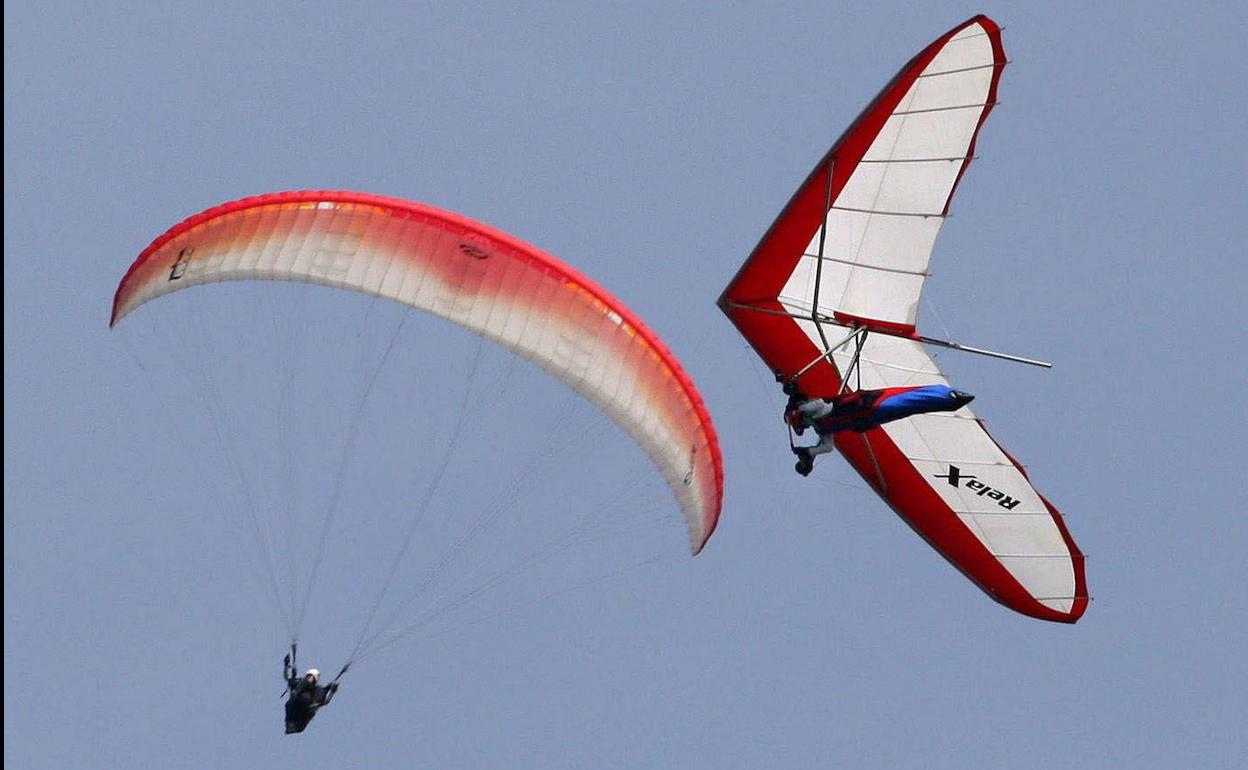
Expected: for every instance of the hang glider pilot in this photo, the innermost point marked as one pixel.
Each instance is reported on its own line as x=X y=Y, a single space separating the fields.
x=860 y=410
x=802 y=413
x=306 y=696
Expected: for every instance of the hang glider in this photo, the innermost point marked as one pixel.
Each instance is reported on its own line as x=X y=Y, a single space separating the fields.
x=829 y=299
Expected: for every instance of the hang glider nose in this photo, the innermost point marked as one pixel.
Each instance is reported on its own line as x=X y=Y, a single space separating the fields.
x=962 y=397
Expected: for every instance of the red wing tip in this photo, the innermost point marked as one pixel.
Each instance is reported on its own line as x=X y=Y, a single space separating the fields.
x=1044 y=612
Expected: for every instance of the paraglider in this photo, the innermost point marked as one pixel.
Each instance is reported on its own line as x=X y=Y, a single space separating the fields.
x=481 y=279
x=829 y=300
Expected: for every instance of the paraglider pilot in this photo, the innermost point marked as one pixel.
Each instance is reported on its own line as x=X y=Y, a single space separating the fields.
x=306 y=695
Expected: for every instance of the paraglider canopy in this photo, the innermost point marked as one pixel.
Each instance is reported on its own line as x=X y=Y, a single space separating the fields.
x=505 y=290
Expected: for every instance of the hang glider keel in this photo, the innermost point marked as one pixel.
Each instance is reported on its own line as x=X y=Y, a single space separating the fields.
x=983 y=352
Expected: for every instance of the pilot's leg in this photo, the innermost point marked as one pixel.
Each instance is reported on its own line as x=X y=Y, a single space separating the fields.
x=815 y=409
x=826 y=444
x=806 y=454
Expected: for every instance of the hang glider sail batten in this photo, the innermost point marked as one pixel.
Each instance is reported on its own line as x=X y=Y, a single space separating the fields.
x=882 y=191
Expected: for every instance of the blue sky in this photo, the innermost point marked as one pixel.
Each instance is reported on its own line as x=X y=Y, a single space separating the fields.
x=649 y=145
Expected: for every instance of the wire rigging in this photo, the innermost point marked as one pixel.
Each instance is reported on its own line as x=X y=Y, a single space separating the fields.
x=430 y=491
x=336 y=491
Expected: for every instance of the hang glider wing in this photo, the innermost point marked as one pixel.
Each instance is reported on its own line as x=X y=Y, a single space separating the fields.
x=851 y=250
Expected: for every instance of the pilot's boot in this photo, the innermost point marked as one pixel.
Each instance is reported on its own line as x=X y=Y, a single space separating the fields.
x=805 y=462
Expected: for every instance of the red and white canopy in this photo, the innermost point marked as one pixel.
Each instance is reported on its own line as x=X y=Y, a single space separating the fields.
x=851 y=250
x=473 y=275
